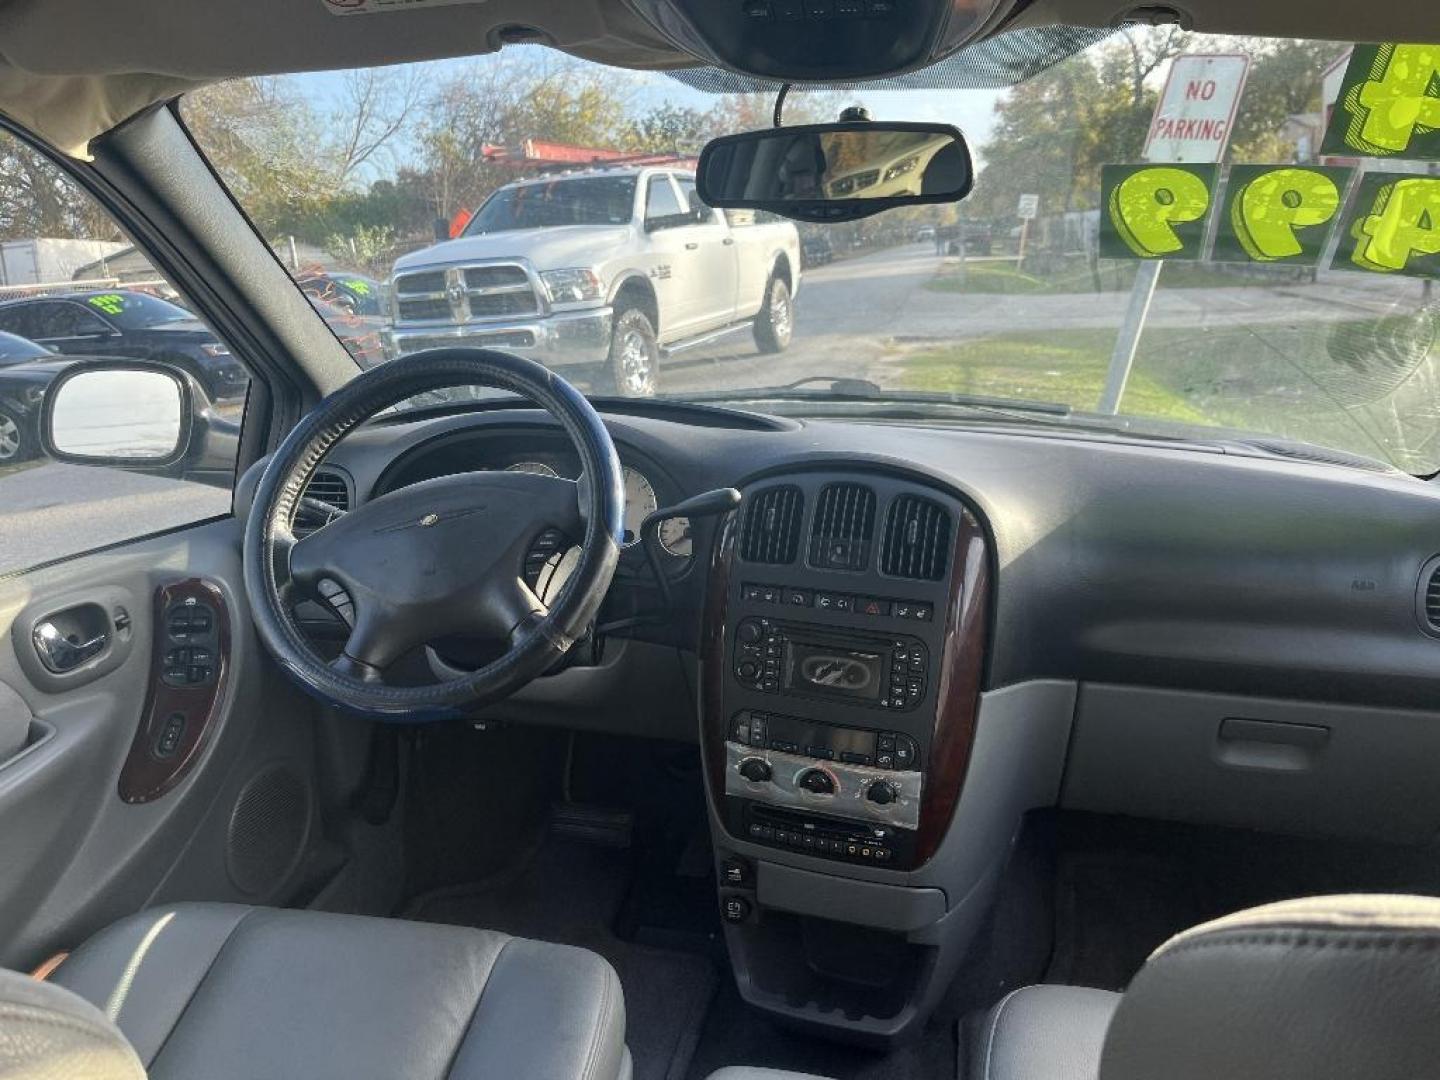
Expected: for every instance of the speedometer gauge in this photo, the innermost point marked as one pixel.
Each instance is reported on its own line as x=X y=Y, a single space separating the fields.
x=539 y=468
x=640 y=503
x=675 y=537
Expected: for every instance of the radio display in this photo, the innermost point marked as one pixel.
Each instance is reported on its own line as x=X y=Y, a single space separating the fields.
x=818 y=668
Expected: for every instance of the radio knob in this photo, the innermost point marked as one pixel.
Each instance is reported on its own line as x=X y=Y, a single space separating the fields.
x=882 y=792
x=749 y=633
x=756 y=770
x=817 y=782
x=748 y=669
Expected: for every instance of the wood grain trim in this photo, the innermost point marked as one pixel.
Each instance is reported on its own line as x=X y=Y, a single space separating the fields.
x=144 y=776
x=961 y=669
x=712 y=657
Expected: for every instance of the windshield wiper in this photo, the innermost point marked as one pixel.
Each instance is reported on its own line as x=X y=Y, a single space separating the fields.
x=844 y=388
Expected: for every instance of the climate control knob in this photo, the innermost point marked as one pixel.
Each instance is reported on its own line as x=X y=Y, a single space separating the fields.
x=756 y=770
x=882 y=793
x=749 y=633
x=816 y=781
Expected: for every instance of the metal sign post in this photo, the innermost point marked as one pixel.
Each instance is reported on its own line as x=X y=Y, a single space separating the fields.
x=1191 y=124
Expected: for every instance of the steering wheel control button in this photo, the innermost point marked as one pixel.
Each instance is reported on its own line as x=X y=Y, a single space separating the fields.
x=756 y=770
x=734 y=909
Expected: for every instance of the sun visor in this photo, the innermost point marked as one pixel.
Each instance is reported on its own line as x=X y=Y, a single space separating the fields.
x=67 y=111
x=820 y=41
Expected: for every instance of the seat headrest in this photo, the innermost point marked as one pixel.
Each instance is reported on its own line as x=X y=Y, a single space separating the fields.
x=47 y=1033
x=1316 y=989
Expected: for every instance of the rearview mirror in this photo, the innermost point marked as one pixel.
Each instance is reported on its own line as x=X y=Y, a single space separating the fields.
x=836 y=172
x=122 y=414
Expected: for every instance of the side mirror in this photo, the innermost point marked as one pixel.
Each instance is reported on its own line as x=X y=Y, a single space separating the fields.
x=126 y=414
x=836 y=172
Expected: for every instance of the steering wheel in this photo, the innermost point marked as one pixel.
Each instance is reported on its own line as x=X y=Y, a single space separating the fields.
x=441 y=557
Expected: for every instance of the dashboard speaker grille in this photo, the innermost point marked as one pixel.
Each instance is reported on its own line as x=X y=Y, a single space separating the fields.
x=772 y=526
x=917 y=539
x=843 y=527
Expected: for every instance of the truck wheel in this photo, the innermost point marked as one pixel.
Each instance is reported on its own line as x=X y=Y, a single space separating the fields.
x=776 y=320
x=633 y=366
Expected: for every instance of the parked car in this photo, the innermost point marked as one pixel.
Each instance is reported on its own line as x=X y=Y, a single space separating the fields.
x=127 y=323
x=816 y=249
x=355 y=293
x=362 y=335
x=604 y=268
x=26 y=369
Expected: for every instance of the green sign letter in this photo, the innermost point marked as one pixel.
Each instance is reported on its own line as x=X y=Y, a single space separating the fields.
x=1146 y=204
x=1404 y=221
x=1267 y=211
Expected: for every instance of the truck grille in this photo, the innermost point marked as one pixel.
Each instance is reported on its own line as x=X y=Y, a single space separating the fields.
x=463 y=294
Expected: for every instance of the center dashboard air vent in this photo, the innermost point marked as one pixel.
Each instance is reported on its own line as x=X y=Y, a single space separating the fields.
x=916 y=541
x=843 y=527
x=771 y=533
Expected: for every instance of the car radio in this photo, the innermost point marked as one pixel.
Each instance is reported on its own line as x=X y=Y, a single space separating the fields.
x=885 y=672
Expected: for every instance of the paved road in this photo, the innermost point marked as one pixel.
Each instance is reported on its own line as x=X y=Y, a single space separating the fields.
x=855 y=317
x=50 y=511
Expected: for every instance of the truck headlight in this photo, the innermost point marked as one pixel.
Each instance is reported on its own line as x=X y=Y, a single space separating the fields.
x=578 y=286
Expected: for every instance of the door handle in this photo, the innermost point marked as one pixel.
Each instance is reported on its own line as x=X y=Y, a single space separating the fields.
x=60 y=654
x=692 y=245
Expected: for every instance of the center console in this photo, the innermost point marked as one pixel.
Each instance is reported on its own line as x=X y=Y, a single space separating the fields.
x=845 y=636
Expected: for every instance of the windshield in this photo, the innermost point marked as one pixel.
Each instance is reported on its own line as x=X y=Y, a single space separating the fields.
x=14 y=348
x=593 y=201
x=137 y=311
x=1027 y=293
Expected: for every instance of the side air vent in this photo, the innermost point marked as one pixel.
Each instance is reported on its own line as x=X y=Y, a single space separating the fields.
x=772 y=526
x=327 y=488
x=1427 y=599
x=917 y=539
x=843 y=527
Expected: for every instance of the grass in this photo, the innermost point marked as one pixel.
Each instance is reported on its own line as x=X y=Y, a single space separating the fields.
x=1067 y=368
x=1357 y=385
x=1008 y=279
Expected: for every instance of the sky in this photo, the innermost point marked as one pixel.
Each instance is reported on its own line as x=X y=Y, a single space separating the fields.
x=972 y=111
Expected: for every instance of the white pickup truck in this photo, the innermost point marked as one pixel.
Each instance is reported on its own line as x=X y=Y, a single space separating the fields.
x=609 y=268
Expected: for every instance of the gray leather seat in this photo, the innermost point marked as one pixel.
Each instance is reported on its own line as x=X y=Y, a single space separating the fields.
x=1330 y=988
x=224 y=991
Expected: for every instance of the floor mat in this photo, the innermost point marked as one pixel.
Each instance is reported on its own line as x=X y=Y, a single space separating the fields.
x=1123 y=887
x=572 y=893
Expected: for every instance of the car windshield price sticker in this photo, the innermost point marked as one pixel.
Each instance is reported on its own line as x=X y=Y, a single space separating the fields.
x=1279 y=213
x=1389 y=104
x=1393 y=227
x=1154 y=211
x=109 y=303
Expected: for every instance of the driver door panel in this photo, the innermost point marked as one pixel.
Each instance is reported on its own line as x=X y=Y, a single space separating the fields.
x=102 y=811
